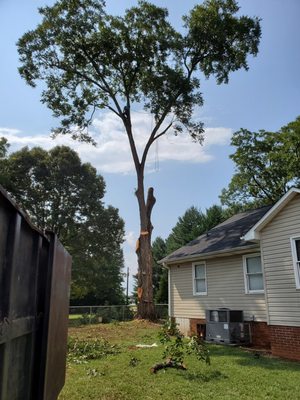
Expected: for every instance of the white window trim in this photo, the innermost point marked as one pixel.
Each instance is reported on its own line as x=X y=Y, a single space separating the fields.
x=247 y=290
x=295 y=260
x=194 y=279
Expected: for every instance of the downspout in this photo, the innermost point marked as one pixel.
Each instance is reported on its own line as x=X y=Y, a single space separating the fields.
x=169 y=289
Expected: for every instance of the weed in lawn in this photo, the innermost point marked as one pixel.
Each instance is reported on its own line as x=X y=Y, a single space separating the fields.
x=82 y=350
x=133 y=362
x=87 y=319
x=94 y=372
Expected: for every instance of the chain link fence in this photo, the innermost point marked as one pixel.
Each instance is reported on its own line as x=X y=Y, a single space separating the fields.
x=82 y=315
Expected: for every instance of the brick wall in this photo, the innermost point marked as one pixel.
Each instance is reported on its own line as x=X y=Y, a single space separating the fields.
x=260 y=334
x=194 y=328
x=286 y=341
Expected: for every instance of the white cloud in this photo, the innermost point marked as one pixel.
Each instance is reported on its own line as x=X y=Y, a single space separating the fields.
x=130 y=239
x=112 y=153
x=130 y=258
x=217 y=136
x=9 y=131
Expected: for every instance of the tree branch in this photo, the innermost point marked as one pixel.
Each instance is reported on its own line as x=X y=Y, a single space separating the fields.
x=106 y=88
x=167 y=364
x=164 y=131
x=149 y=206
x=128 y=127
x=262 y=188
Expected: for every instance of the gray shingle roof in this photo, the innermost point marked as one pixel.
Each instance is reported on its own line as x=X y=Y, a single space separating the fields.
x=223 y=237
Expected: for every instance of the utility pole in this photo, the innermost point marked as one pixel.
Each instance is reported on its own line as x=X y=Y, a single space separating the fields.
x=127 y=284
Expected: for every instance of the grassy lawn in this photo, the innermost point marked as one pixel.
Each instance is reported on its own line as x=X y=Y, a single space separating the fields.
x=233 y=373
x=75 y=316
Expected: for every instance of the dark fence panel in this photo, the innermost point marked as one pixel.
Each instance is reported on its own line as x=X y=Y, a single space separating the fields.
x=56 y=321
x=34 y=278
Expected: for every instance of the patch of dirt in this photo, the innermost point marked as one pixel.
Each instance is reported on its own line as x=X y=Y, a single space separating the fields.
x=116 y=332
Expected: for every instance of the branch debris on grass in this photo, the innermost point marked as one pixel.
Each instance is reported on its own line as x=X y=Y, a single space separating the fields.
x=176 y=348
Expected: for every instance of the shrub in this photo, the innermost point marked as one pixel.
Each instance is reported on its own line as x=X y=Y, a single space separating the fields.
x=176 y=348
x=117 y=313
x=87 y=319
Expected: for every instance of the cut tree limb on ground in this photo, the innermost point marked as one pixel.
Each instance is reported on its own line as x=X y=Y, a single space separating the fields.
x=167 y=364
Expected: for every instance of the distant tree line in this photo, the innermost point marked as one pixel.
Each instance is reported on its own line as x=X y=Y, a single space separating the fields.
x=192 y=224
x=64 y=195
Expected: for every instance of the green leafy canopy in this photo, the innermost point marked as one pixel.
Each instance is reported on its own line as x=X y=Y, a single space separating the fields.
x=91 y=60
x=55 y=188
x=267 y=166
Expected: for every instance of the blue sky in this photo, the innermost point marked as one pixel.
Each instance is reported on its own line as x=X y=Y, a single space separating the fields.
x=182 y=173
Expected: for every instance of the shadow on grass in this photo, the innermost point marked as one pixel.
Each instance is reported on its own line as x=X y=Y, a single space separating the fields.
x=204 y=376
x=252 y=359
x=269 y=363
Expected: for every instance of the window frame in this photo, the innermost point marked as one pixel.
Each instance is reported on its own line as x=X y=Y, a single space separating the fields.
x=194 y=265
x=296 y=261
x=246 y=274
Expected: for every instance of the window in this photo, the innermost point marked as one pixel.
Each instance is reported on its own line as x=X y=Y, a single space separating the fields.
x=296 y=259
x=254 y=281
x=199 y=279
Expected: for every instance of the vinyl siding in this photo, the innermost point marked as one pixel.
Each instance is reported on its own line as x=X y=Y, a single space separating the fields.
x=225 y=288
x=282 y=297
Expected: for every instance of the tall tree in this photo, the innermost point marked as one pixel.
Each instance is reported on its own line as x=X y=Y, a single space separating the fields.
x=159 y=251
x=4 y=145
x=267 y=164
x=162 y=295
x=90 y=60
x=160 y=274
x=55 y=189
x=192 y=224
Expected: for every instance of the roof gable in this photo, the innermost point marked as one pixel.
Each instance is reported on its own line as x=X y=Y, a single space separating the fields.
x=254 y=232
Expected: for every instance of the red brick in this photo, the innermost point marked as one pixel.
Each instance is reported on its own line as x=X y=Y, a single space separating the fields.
x=193 y=325
x=285 y=341
x=260 y=334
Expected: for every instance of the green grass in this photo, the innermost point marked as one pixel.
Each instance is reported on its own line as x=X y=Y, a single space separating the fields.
x=75 y=316
x=233 y=374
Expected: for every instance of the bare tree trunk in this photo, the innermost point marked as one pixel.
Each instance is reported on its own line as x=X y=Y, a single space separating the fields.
x=145 y=309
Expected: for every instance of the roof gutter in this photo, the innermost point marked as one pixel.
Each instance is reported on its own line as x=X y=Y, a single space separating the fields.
x=202 y=256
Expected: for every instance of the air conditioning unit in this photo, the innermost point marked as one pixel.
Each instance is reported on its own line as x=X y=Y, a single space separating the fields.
x=227 y=326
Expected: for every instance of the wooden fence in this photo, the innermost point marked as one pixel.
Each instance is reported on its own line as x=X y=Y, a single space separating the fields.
x=34 y=289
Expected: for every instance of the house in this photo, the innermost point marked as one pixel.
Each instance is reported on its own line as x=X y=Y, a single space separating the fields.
x=250 y=262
